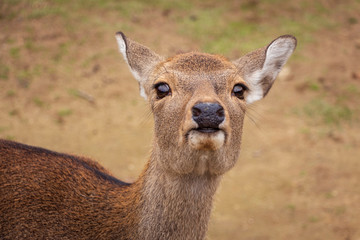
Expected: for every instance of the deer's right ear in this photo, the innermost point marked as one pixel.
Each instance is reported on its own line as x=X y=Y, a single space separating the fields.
x=139 y=58
x=261 y=67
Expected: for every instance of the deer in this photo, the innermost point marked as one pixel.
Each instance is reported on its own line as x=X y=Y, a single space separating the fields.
x=198 y=101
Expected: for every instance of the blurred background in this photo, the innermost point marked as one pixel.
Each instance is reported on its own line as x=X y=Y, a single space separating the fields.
x=64 y=86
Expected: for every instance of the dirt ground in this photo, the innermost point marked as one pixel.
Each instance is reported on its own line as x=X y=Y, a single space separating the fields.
x=64 y=86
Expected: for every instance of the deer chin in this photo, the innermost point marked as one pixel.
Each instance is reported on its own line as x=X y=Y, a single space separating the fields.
x=206 y=139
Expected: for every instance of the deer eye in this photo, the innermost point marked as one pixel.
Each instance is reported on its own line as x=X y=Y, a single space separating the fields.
x=162 y=90
x=239 y=90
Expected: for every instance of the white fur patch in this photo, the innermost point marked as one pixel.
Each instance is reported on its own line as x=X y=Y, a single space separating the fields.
x=122 y=49
x=256 y=91
x=202 y=164
x=206 y=141
x=121 y=45
x=142 y=92
x=278 y=52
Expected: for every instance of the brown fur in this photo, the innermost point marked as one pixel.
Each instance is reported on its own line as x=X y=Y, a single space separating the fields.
x=49 y=195
x=199 y=62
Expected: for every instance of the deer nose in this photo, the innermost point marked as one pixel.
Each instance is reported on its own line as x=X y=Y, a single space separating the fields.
x=208 y=115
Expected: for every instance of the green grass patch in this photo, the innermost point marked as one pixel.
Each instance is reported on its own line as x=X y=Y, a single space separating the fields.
x=14 y=52
x=30 y=45
x=352 y=89
x=3 y=129
x=340 y=210
x=291 y=207
x=321 y=110
x=304 y=26
x=64 y=112
x=7 y=9
x=14 y=112
x=314 y=219
x=216 y=32
x=313 y=85
x=171 y=4
x=10 y=41
x=10 y=93
x=87 y=62
x=229 y=38
x=47 y=10
x=10 y=138
x=62 y=50
x=4 y=72
x=24 y=78
x=221 y=29
x=74 y=92
x=38 y=102
x=128 y=8
x=203 y=24
x=352 y=20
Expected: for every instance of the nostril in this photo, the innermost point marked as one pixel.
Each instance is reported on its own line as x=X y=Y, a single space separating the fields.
x=196 y=111
x=220 y=113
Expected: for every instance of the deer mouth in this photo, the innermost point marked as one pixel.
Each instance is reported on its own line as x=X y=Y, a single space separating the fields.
x=206 y=138
x=206 y=130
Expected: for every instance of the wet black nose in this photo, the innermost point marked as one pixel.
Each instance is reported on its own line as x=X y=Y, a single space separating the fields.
x=208 y=115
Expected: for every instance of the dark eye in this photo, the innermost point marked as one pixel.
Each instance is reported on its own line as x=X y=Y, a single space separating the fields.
x=239 y=90
x=162 y=90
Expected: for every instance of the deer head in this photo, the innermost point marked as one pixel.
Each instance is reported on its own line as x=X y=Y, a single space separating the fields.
x=199 y=101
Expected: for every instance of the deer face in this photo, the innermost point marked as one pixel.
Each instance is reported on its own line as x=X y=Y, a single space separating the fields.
x=199 y=101
x=198 y=105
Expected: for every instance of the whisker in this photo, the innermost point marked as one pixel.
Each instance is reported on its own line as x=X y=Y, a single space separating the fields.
x=146 y=116
x=254 y=116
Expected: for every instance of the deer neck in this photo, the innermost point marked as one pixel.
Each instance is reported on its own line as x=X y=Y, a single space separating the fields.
x=175 y=206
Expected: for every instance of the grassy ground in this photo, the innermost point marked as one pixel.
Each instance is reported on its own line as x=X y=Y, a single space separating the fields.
x=64 y=86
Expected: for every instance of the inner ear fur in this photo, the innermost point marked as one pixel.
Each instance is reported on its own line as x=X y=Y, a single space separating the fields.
x=261 y=67
x=139 y=58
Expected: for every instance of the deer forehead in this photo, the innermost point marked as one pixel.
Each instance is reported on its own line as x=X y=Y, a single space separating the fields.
x=197 y=71
x=195 y=62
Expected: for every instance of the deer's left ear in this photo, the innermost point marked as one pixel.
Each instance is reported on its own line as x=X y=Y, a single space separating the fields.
x=139 y=58
x=261 y=67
